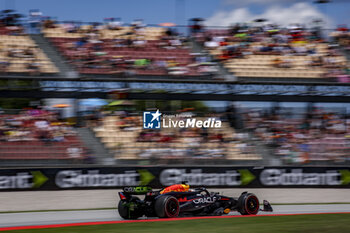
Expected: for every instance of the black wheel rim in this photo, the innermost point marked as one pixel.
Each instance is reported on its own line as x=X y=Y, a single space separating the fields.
x=252 y=205
x=172 y=207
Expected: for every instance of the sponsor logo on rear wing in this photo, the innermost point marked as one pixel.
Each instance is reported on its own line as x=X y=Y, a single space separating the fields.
x=138 y=190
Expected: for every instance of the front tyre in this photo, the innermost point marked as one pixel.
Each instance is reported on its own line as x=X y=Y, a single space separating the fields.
x=129 y=209
x=248 y=204
x=167 y=207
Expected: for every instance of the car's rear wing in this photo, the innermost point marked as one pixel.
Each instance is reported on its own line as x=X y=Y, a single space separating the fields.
x=138 y=190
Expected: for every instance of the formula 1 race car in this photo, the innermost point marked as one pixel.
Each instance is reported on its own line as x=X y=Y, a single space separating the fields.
x=179 y=200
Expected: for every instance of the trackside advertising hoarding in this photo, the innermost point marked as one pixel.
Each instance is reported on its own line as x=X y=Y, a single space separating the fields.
x=158 y=177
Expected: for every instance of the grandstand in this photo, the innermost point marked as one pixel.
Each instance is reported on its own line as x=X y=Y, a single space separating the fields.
x=133 y=49
x=205 y=109
x=140 y=52
x=38 y=136
x=342 y=36
x=20 y=55
x=36 y=150
x=274 y=53
x=126 y=138
x=319 y=136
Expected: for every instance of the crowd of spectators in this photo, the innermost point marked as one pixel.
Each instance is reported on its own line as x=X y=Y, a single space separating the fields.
x=341 y=37
x=10 y=23
x=130 y=53
x=295 y=40
x=265 y=40
x=40 y=134
x=11 y=30
x=34 y=125
x=314 y=136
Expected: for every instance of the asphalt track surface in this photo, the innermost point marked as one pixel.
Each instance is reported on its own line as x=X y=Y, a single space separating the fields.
x=62 y=217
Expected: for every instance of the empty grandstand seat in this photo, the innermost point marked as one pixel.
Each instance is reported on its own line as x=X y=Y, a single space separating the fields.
x=19 y=64
x=125 y=144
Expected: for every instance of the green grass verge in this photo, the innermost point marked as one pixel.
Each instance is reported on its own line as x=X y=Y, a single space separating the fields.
x=325 y=223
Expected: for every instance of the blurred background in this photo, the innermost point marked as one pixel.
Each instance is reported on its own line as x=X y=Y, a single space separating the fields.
x=75 y=78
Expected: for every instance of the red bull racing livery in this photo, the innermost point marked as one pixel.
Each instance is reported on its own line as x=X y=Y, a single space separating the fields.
x=179 y=200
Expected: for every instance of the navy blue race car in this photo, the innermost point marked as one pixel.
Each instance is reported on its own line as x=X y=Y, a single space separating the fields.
x=179 y=200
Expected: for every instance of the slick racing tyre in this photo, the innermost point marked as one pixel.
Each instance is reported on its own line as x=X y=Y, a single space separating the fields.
x=248 y=204
x=167 y=207
x=129 y=209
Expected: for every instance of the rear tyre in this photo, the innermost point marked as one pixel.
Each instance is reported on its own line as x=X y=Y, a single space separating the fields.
x=167 y=207
x=248 y=204
x=129 y=209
